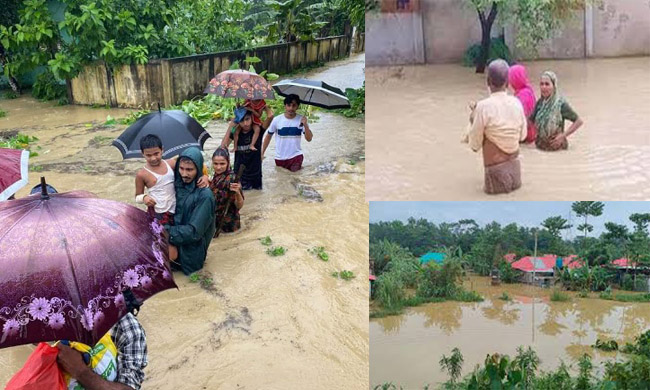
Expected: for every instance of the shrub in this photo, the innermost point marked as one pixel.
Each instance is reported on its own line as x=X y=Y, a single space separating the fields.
x=559 y=296
x=47 y=87
x=389 y=291
x=498 y=49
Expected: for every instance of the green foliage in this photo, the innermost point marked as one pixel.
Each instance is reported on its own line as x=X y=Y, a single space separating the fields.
x=266 y=241
x=389 y=291
x=505 y=296
x=47 y=87
x=498 y=49
x=641 y=345
x=630 y=297
x=276 y=251
x=442 y=281
x=584 y=278
x=3 y=113
x=345 y=275
x=357 y=98
x=132 y=117
x=587 y=209
x=319 y=251
x=204 y=281
x=10 y=95
x=606 y=345
x=19 y=141
x=467 y=296
x=559 y=296
x=452 y=364
x=507 y=273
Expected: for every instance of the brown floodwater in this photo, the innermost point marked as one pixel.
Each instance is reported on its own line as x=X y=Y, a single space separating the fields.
x=268 y=322
x=405 y=349
x=416 y=115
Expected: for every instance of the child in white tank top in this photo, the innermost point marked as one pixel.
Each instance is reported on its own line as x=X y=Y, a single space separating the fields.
x=157 y=177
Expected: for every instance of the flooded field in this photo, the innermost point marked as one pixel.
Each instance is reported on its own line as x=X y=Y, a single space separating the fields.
x=416 y=115
x=406 y=349
x=230 y=336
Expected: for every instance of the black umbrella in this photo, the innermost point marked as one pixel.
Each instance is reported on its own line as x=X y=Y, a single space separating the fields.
x=177 y=130
x=313 y=92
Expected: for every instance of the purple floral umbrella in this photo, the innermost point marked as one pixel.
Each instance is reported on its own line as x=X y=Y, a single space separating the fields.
x=66 y=260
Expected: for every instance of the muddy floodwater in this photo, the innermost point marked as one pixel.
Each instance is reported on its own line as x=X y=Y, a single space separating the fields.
x=267 y=322
x=416 y=115
x=406 y=349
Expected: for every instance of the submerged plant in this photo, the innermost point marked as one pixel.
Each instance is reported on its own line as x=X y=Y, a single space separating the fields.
x=276 y=251
x=610 y=345
x=505 y=296
x=266 y=241
x=345 y=275
x=452 y=364
x=320 y=252
x=559 y=296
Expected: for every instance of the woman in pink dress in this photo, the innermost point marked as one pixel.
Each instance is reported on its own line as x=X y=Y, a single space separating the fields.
x=518 y=80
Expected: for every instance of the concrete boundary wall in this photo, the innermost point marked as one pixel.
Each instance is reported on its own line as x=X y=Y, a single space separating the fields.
x=172 y=80
x=443 y=29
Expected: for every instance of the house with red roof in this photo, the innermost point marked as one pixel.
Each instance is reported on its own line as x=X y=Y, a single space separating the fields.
x=541 y=269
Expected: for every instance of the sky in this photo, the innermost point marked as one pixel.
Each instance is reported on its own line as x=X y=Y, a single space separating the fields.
x=529 y=214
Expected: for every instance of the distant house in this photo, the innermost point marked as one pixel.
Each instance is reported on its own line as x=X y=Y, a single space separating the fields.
x=625 y=266
x=439 y=258
x=540 y=270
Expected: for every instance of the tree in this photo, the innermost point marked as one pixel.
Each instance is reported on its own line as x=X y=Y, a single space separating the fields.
x=587 y=209
x=536 y=20
x=555 y=225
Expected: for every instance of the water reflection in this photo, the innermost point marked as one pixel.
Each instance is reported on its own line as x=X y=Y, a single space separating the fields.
x=556 y=330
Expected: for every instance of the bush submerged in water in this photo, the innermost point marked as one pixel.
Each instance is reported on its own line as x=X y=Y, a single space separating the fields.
x=498 y=49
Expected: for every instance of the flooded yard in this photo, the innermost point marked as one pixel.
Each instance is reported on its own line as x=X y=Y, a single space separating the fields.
x=416 y=116
x=405 y=349
x=260 y=307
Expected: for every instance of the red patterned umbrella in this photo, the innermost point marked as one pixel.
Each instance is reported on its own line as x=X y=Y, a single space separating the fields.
x=13 y=171
x=69 y=260
x=240 y=84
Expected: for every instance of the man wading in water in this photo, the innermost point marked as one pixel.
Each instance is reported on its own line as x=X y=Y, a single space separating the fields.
x=498 y=127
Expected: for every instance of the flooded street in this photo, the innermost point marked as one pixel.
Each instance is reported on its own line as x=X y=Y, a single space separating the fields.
x=406 y=349
x=416 y=116
x=260 y=308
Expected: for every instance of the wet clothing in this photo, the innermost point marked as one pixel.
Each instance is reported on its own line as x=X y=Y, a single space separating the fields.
x=503 y=177
x=166 y=218
x=518 y=80
x=293 y=164
x=131 y=342
x=289 y=134
x=257 y=106
x=549 y=116
x=220 y=186
x=194 y=218
x=500 y=119
x=252 y=176
x=565 y=111
x=163 y=191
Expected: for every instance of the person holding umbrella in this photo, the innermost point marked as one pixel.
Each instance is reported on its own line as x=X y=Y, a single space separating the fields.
x=131 y=342
x=290 y=127
x=63 y=284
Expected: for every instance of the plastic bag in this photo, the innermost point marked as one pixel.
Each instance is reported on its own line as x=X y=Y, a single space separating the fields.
x=39 y=372
x=103 y=360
